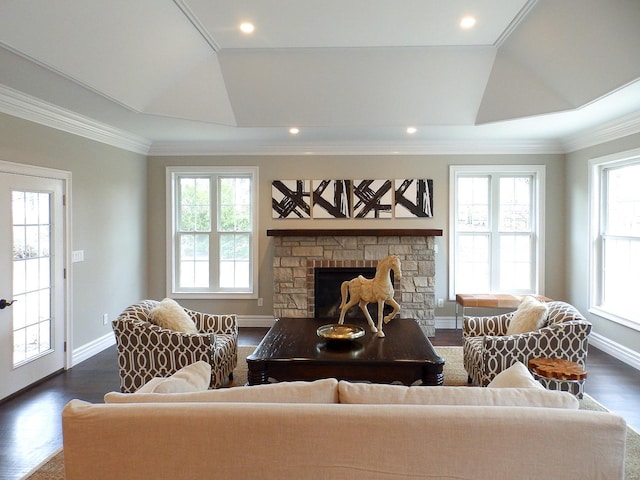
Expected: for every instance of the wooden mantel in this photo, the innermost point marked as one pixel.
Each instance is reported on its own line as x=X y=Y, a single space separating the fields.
x=391 y=232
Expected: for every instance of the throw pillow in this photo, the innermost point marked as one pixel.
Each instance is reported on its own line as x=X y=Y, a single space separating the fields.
x=528 y=317
x=319 y=391
x=169 y=314
x=192 y=378
x=516 y=376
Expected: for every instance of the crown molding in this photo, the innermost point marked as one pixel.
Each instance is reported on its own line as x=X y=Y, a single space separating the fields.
x=606 y=132
x=435 y=147
x=18 y=104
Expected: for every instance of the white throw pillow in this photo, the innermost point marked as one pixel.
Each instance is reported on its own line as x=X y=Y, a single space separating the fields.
x=516 y=376
x=169 y=314
x=192 y=378
x=528 y=317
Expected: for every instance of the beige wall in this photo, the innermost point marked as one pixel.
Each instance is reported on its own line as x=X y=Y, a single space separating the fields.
x=578 y=238
x=353 y=167
x=108 y=217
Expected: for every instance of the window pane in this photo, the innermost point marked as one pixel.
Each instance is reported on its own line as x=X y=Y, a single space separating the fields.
x=473 y=267
x=235 y=205
x=620 y=281
x=515 y=262
x=623 y=201
x=473 y=204
x=195 y=205
x=194 y=260
x=234 y=260
x=515 y=204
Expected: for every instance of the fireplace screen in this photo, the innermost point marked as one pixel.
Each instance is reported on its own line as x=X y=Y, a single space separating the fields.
x=327 y=282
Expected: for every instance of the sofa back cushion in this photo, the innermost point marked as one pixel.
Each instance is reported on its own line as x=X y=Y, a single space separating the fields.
x=319 y=391
x=368 y=393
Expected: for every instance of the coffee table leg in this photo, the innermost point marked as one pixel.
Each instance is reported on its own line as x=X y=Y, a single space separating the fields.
x=257 y=374
x=432 y=378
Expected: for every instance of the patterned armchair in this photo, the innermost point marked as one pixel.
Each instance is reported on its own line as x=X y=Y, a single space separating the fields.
x=487 y=350
x=146 y=350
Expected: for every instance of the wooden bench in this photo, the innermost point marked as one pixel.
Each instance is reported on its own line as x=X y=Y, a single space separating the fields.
x=491 y=300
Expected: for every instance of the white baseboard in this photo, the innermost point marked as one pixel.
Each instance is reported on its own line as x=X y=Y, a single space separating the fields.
x=616 y=350
x=448 y=323
x=92 y=348
x=256 y=321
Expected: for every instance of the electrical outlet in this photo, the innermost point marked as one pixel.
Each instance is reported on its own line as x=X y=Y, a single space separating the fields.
x=105 y=318
x=440 y=303
x=260 y=302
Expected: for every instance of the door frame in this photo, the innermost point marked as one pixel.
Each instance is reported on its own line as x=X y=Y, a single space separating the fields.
x=65 y=177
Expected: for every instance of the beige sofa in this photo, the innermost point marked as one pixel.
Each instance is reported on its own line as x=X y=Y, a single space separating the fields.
x=340 y=430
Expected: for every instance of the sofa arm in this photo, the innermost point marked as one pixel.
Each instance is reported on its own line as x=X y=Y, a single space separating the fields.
x=489 y=325
x=215 y=323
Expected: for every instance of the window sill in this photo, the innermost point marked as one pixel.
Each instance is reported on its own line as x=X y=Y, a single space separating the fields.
x=212 y=296
x=607 y=315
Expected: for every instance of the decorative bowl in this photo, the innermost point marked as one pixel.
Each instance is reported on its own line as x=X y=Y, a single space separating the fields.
x=335 y=331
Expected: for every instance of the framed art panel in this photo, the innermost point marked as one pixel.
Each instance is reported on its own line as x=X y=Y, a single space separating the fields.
x=291 y=198
x=331 y=198
x=413 y=198
x=372 y=198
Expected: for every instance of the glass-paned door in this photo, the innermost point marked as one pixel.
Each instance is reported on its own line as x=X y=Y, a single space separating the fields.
x=32 y=280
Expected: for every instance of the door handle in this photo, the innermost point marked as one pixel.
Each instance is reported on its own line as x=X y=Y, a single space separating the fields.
x=4 y=304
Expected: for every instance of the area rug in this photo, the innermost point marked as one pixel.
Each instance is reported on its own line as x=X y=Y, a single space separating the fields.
x=454 y=375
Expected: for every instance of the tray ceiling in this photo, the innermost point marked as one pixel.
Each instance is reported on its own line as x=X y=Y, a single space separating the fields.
x=346 y=72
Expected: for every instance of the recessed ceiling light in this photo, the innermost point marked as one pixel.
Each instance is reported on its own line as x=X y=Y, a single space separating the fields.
x=247 y=27
x=411 y=130
x=467 y=22
x=294 y=131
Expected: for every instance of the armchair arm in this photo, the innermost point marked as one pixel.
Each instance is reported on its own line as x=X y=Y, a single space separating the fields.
x=489 y=325
x=215 y=323
x=566 y=340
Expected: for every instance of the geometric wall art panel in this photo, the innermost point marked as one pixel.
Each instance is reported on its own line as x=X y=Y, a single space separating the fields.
x=291 y=198
x=413 y=198
x=331 y=198
x=372 y=198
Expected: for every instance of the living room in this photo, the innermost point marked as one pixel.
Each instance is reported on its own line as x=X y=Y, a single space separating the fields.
x=118 y=187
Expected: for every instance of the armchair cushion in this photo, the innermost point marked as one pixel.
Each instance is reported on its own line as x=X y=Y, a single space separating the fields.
x=192 y=378
x=169 y=314
x=529 y=316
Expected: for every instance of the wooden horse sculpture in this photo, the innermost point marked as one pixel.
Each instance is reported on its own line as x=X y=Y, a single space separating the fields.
x=379 y=289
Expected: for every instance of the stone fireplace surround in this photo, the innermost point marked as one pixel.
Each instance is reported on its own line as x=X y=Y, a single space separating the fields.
x=298 y=252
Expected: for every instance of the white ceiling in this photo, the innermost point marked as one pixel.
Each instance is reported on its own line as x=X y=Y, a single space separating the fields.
x=179 y=77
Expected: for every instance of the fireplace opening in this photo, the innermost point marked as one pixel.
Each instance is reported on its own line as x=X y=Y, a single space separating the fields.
x=327 y=282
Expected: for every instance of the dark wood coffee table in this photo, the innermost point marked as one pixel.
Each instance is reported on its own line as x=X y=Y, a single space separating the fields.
x=292 y=350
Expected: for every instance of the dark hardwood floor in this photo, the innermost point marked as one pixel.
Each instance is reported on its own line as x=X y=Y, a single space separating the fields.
x=31 y=430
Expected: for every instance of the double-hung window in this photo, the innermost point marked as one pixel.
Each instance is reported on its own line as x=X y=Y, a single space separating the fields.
x=615 y=237
x=212 y=239
x=496 y=229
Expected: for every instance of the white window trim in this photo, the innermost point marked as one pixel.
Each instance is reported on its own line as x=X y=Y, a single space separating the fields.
x=538 y=216
x=170 y=174
x=596 y=166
